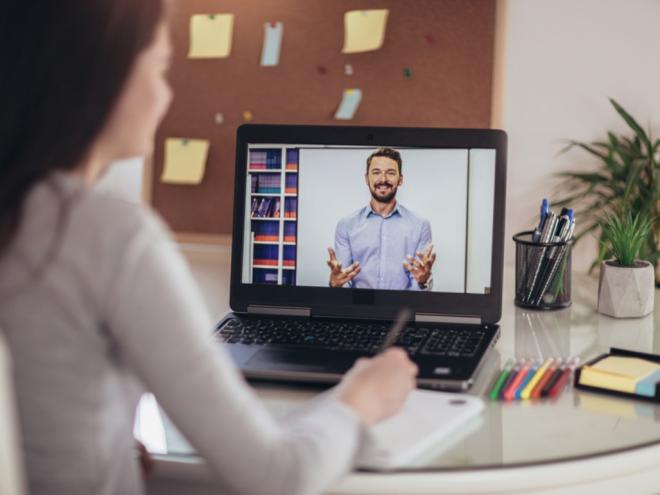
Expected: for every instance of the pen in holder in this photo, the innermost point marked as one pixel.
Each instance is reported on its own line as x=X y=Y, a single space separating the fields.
x=543 y=272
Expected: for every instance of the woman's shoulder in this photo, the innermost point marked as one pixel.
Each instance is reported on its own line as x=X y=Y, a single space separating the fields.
x=99 y=215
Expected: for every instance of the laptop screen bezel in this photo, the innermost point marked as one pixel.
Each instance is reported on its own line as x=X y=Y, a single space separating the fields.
x=368 y=303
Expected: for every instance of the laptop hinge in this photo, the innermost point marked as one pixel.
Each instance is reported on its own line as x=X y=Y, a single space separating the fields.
x=436 y=318
x=279 y=310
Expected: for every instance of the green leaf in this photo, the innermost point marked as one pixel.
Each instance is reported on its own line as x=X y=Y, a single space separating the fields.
x=631 y=182
x=590 y=177
x=625 y=234
x=632 y=123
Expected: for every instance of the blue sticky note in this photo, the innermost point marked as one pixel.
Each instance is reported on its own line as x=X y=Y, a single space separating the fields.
x=270 y=52
x=349 y=104
x=646 y=386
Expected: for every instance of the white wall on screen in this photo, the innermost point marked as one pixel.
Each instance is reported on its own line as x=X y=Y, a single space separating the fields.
x=480 y=219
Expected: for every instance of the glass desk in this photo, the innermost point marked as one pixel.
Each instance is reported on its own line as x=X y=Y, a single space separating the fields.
x=576 y=425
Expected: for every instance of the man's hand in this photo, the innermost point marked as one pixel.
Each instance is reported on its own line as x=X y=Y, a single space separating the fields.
x=339 y=277
x=420 y=266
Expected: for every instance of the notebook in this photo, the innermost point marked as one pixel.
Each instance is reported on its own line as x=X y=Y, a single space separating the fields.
x=426 y=421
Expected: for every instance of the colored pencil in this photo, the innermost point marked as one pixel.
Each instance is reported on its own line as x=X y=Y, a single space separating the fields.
x=536 y=393
x=495 y=392
x=515 y=383
x=530 y=374
x=527 y=391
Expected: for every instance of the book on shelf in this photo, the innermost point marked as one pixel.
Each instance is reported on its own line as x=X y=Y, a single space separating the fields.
x=264 y=159
x=268 y=184
x=289 y=232
x=265 y=208
x=292 y=159
x=275 y=212
x=289 y=256
x=264 y=276
x=289 y=277
x=261 y=209
x=290 y=207
x=266 y=231
x=265 y=255
x=257 y=159
x=291 y=184
x=273 y=159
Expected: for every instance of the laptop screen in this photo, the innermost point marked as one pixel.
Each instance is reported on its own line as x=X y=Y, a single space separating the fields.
x=387 y=218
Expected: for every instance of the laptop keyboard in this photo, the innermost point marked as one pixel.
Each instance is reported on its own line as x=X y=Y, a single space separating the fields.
x=350 y=336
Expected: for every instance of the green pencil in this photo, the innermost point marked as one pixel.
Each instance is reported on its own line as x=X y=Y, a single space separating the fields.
x=495 y=393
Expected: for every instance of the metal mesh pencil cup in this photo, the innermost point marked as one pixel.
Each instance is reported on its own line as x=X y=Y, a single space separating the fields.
x=543 y=273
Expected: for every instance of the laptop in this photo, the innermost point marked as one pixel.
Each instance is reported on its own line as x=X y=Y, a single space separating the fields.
x=337 y=228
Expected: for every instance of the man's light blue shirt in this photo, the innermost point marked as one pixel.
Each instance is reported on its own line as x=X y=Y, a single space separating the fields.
x=380 y=245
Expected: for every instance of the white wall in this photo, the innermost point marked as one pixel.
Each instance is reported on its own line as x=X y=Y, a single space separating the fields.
x=562 y=59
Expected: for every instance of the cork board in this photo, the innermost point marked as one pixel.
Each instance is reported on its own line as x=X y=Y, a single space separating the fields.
x=448 y=45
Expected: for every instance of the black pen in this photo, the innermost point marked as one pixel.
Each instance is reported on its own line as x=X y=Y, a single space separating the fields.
x=396 y=328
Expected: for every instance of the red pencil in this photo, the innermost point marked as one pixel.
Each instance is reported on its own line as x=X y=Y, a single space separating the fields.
x=513 y=386
x=563 y=379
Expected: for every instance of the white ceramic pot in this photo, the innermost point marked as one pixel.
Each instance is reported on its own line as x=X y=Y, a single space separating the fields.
x=626 y=292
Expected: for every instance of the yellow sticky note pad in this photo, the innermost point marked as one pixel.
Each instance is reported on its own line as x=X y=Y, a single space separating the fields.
x=185 y=160
x=210 y=35
x=364 y=30
x=618 y=373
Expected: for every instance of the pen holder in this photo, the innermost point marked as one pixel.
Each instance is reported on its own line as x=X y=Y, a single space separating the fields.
x=543 y=273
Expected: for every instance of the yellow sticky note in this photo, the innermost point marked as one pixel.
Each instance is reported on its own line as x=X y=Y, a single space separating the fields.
x=364 y=30
x=185 y=160
x=628 y=366
x=210 y=35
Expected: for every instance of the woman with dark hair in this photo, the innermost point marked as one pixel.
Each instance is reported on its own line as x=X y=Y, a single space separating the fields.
x=96 y=302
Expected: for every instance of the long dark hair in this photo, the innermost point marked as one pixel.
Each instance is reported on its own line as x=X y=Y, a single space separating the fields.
x=63 y=65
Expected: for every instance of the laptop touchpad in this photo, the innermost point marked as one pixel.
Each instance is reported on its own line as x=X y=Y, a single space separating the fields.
x=300 y=361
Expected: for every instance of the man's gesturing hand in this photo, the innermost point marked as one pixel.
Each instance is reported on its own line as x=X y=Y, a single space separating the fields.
x=339 y=277
x=421 y=265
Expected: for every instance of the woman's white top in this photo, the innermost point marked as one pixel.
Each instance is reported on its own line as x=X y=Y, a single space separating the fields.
x=97 y=305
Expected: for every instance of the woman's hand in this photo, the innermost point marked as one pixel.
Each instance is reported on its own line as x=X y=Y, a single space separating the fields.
x=376 y=388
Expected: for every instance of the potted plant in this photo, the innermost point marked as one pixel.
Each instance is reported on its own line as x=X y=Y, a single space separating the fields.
x=626 y=284
x=627 y=179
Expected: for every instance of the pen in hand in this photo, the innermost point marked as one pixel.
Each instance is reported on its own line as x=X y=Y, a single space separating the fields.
x=396 y=328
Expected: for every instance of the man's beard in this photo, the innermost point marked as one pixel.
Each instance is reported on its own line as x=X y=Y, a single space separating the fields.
x=383 y=199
